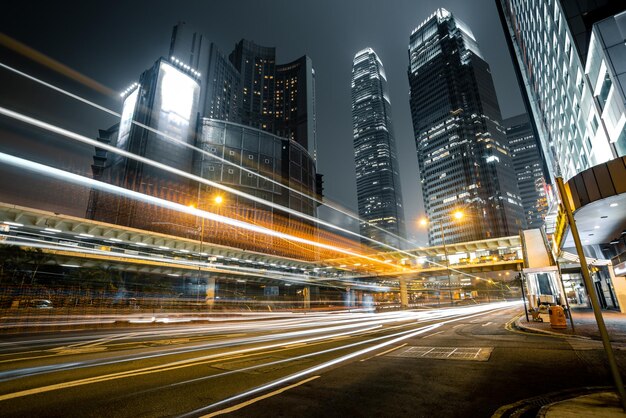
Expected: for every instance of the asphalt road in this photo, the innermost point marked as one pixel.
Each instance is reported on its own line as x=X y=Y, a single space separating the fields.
x=455 y=362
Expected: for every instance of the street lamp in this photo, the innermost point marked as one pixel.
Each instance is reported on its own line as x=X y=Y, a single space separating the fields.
x=218 y=200
x=424 y=222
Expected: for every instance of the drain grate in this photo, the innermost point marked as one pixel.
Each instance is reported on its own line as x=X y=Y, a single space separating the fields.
x=445 y=353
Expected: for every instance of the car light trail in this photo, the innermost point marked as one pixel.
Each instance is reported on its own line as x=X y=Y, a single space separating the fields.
x=85 y=181
x=72 y=135
x=325 y=365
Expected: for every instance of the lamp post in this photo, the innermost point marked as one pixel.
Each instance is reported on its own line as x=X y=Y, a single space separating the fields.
x=424 y=221
x=218 y=199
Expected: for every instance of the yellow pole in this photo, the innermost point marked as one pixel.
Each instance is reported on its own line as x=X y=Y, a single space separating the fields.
x=617 y=378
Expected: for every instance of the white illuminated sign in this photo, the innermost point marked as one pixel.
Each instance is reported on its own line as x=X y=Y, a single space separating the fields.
x=178 y=93
x=128 y=111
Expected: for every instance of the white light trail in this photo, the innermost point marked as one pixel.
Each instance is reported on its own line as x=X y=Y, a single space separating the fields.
x=87 y=182
x=81 y=138
x=330 y=363
x=224 y=161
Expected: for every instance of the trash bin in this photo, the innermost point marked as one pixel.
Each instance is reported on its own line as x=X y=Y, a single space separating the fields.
x=557 y=317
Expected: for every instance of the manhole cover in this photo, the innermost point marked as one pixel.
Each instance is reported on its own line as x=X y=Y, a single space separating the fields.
x=445 y=353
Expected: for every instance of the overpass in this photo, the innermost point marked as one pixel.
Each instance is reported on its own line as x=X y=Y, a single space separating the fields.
x=78 y=242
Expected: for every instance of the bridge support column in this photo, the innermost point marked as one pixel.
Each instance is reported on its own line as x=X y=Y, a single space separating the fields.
x=210 y=292
x=306 y=293
x=404 y=293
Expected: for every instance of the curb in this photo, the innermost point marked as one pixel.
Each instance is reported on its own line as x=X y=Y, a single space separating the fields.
x=535 y=404
x=522 y=328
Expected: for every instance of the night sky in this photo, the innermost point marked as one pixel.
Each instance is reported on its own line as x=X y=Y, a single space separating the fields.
x=113 y=42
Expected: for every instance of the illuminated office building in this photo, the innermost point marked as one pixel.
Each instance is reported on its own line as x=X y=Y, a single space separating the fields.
x=257 y=68
x=377 y=178
x=294 y=103
x=570 y=59
x=559 y=74
x=166 y=100
x=529 y=167
x=277 y=98
x=193 y=98
x=462 y=149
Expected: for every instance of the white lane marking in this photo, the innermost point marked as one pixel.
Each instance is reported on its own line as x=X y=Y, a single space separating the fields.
x=312 y=370
x=208 y=358
x=488 y=323
x=258 y=398
x=452 y=352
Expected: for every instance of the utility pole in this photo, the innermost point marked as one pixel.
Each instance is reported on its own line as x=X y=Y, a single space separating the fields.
x=617 y=378
x=445 y=254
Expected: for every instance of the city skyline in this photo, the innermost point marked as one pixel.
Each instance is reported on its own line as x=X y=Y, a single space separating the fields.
x=332 y=87
x=312 y=208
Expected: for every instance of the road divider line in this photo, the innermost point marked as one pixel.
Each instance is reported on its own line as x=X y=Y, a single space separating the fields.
x=259 y=398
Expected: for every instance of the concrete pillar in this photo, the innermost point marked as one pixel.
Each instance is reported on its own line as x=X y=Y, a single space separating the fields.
x=619 y=284
x=306 y=293
x=404 y=294
x=210 y=292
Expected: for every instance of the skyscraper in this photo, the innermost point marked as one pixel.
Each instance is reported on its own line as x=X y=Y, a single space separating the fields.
x=223 y=93
x=257 y=66
x=529 y=167
x=565 y=84
x=195 y=98
x=462 y=150
x=294 y=105
x=570 y=60
x=377 y=178
x=166 y=100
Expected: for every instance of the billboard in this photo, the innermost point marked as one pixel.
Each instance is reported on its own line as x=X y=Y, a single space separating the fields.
x=128 y=111
x=177 y=96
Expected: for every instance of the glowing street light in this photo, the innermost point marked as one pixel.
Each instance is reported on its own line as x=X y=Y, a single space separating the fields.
x=424 y=222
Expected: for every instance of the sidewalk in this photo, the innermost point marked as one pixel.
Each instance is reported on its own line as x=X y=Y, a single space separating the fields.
x=584 y=323
x=598 y=404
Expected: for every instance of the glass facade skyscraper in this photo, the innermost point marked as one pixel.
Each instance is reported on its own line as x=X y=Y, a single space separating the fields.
x=529 y=167
x=559 y=73
x=462 y=149
x=377 y=177
x=253 y=120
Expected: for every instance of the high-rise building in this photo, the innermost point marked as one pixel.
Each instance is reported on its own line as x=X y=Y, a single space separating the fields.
x=529 y=167
x=567 y=109
x=294 y=105
x=195 y=98
x=222 y=80
x=377 y=177
x=166 y=101
x=570 y=60
x=463 y=154
x=257 y=66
